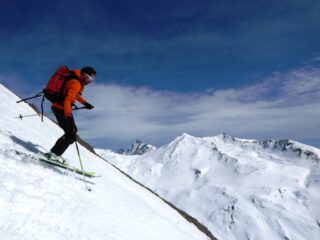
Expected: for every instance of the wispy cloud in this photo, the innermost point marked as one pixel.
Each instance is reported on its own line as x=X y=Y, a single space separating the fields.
x=282 y=106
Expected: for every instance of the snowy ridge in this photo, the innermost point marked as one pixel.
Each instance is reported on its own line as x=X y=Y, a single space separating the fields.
x=287 y=146
x=240 y=189
x=138 y=148
x=298 y=149
x=39 y=201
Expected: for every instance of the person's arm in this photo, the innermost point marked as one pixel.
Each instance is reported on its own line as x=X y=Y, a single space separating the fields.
x=84 y=102
x=73 y=91
x=81 y=99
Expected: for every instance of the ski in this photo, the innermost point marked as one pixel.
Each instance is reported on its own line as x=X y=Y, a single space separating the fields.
x=40 y=157
x=67 y=167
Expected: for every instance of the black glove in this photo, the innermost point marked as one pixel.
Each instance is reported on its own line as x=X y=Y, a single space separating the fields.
x=88 y=106
x=71 y=127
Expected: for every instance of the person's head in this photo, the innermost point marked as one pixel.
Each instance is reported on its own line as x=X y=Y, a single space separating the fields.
x=88 y=74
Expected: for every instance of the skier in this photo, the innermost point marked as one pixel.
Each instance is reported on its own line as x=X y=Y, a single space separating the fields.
x=63 y=112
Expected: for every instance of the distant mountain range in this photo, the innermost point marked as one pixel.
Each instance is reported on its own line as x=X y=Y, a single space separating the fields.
x=238 y=188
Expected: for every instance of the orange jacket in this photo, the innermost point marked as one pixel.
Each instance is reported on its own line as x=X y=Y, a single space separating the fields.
x=72 y=92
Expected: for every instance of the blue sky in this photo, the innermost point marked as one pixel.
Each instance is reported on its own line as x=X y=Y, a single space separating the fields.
x=184 y=48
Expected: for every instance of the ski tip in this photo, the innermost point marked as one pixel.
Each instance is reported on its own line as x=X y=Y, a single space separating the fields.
x=92 y=174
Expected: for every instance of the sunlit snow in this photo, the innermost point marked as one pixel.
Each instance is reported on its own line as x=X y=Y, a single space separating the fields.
x=240 y=189
x=39 y=201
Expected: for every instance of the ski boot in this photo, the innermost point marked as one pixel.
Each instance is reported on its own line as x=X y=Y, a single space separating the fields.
x=53 y=157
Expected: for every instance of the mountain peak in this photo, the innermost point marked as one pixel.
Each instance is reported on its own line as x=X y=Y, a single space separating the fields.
x=139 y=147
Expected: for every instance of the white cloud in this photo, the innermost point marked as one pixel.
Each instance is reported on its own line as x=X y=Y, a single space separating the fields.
x=302 y=81
x=285 y=105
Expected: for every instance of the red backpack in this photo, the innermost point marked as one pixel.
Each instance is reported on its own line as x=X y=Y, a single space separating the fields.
x=54 y=90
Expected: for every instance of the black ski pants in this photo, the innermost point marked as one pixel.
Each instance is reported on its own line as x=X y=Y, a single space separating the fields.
x=70 y=132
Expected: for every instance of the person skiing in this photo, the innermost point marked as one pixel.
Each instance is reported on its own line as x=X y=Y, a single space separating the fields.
x=63 y=111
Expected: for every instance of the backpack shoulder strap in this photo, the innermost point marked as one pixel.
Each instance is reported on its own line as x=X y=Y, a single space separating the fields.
x=73 y=75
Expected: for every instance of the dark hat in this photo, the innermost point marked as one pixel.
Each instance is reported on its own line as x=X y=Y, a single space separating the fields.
x=88 y=70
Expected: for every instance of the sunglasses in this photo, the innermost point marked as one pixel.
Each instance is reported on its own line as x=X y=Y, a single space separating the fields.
x=88 y=78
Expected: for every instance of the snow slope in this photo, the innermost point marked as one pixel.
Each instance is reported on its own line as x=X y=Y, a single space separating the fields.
x=240 y=189
x=39 y=201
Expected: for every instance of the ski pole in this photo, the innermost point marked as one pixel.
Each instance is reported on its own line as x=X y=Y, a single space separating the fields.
x=46 y=113
x=84 y=178
x=35 y=96
x=77 y=108
x=31 y=115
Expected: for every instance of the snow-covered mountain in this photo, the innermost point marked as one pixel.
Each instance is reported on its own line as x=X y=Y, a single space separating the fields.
x=240 y=189
x=40 y=201
x=138 y=148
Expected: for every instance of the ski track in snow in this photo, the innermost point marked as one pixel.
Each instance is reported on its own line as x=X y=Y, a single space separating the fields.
x=39 y=201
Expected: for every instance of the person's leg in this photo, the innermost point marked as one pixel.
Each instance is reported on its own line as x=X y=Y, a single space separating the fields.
x=62 y=144
x=68 y=138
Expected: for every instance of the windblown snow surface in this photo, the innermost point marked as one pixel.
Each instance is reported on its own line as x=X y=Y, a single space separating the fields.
x=240 y=189
x=39 y=201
